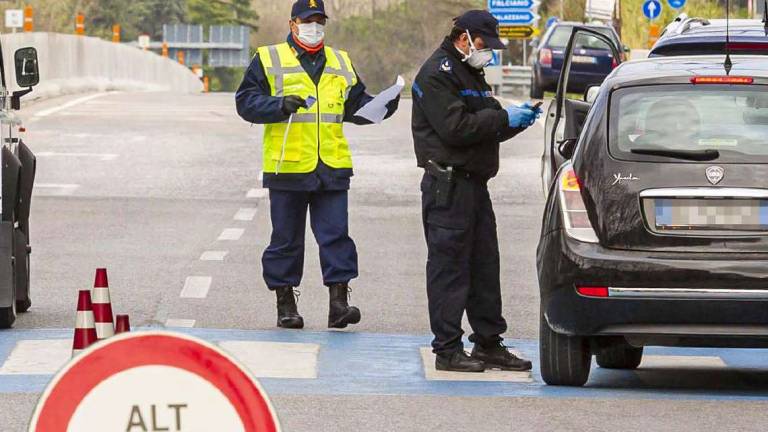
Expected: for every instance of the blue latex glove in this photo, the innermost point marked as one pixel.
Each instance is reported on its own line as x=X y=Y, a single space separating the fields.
x=529 y=106
x=520 y=116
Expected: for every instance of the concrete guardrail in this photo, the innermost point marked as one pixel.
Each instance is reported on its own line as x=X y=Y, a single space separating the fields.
x=76 y=64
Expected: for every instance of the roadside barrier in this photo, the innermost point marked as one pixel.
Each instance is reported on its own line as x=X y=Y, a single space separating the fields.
x=123 y=324
x=516 y=80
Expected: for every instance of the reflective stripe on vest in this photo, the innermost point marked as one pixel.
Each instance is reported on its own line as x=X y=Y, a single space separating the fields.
x=316 y=133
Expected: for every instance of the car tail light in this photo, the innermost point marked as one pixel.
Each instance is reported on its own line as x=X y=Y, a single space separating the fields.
x=575 y=218
x=592 y=291
x=545 y=57
x=614 y=62
x=722 y=80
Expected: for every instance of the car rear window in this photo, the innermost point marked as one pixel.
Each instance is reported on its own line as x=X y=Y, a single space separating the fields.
x=730 y=119
x=561 y=34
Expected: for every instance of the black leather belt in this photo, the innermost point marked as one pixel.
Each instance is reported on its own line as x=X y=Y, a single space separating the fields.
x=456 y=172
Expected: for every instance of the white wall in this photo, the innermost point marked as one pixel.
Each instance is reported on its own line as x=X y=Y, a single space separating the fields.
x=76 y=64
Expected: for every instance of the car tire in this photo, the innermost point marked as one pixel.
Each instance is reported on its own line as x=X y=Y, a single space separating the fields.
x=536 y=91
x=620 y=356
x=564 y=360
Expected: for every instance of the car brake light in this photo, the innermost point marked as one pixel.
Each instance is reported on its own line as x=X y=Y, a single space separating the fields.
x=592 y=291
x=722 y=80
x=545 y=57
x=574 y=212
x=614 y=62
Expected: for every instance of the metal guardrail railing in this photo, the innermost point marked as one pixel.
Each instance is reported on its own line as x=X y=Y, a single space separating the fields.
x=516 y=80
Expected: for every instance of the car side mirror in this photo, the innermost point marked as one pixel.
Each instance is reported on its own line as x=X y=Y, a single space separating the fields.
x=626 y=49
x=590 y=95
x=27 y=72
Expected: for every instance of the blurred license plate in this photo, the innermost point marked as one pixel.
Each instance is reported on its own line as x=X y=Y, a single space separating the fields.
x=709 y=214
x=584 y=59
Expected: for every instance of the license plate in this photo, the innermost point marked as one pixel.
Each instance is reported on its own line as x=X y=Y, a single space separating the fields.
x=584 y=59
x=714 y=215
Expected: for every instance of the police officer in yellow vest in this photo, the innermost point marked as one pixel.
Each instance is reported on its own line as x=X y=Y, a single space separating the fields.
x=303 y=91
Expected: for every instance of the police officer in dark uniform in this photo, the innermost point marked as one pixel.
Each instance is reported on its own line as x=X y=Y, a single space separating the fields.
x=457 y=127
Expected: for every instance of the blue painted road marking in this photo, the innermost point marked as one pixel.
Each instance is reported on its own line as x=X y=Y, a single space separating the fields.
x=382 y=364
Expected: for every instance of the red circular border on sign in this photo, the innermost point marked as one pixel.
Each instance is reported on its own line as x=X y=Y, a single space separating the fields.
x=155 y=350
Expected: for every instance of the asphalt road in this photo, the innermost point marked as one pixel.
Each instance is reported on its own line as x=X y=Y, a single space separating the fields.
x=145 y=184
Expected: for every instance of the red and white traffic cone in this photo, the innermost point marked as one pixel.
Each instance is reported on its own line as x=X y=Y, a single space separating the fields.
x=122 y=324
x=85 y=330
x=102 y=306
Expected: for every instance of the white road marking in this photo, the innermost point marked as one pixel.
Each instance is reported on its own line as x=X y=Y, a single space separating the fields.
x=213 y=255
x=101 y=156
x=245 y=214
x=179 y=323
x=256 y=193
x=37 y=357
x=231 y=234
x=54 y=189
x=70 y=104
x=275 y=359
x=681 y=362
x=196 y=287
x=432 y=374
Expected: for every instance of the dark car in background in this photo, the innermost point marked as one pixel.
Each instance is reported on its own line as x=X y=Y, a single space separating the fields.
x=655 y=230
x=592 y=61
x=698 y=36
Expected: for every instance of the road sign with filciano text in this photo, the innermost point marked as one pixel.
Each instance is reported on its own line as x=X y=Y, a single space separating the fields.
x=517 y=18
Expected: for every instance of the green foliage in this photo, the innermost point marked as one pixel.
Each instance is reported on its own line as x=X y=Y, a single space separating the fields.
x=222 y=12
x=398 y=39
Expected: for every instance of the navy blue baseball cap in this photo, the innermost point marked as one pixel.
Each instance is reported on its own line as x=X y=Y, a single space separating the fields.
x=481 y=23
x=306 y=8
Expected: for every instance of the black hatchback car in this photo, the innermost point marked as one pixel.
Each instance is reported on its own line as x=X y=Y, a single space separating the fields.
x=699 y=36
x=655 y=230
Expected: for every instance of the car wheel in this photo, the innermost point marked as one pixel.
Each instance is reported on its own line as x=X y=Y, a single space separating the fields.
x=536 y=91
x=620 y=356
x=564 y=360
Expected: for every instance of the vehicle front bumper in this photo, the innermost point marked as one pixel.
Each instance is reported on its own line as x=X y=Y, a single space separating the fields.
x=668 y=294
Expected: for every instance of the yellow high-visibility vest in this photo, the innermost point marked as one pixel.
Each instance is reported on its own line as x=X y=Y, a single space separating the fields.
x=316 y=132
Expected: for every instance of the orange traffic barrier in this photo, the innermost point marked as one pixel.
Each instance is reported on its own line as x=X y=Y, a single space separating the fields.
x=116 y=33
x=102 y=306
x=80 y=24
x=180 y=56
x=206 y=84
x=165 y=49
x=29 y=14
x=85 y=330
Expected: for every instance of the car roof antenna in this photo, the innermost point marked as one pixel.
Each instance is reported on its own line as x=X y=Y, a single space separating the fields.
x=728 y=63
x=765 y=16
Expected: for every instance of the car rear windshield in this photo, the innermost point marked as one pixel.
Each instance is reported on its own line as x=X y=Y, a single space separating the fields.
x=561 y=35
x=686 y=121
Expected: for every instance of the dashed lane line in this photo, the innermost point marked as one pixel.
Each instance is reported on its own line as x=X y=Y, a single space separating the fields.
x=179 y=323
x=256 y=193
x=70 y=104
x=100 y=156
x=55 y=189
x=245 y=214
x=213 y=255
x=231 y=234
x=196 y=287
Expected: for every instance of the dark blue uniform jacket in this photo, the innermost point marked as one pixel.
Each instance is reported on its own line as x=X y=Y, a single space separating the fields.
x=256 y=105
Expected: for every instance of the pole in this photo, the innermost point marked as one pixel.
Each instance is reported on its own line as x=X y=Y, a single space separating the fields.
x=525 y=52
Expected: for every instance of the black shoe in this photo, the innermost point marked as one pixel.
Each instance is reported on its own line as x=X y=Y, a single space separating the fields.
x=340 y=313
x=287 y=313
x=458 y=361
x=498 y=357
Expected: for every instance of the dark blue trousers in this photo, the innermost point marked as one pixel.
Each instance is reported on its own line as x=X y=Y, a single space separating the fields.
x=283 y=260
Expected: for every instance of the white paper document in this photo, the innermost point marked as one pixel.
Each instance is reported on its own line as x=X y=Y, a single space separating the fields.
x=376 y=109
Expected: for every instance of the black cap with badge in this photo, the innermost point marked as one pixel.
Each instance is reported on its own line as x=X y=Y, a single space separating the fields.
x=306 y=8
x=481 y=23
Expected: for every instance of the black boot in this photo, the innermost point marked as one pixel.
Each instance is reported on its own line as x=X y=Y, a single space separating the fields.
x=340 y=313
x=498 y=357
x=458 y=361
x=287 y=313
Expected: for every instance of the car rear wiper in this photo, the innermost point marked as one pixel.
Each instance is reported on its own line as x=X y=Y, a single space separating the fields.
x=693 y=155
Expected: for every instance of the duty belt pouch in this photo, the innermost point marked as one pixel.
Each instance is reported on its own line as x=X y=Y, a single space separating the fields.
x=444 y=182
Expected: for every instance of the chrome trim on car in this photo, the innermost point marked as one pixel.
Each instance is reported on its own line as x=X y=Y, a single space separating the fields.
x=705 y=192
x=689 y=293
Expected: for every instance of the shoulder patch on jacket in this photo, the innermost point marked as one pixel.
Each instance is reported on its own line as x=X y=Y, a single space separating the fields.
x=446 y=65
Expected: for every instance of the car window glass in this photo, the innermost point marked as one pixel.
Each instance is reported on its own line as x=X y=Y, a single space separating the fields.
x=560 y=36
x=732 y=120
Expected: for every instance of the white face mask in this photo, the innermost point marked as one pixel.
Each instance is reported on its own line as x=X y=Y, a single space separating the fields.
x=311 y=34
x=478 y=59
